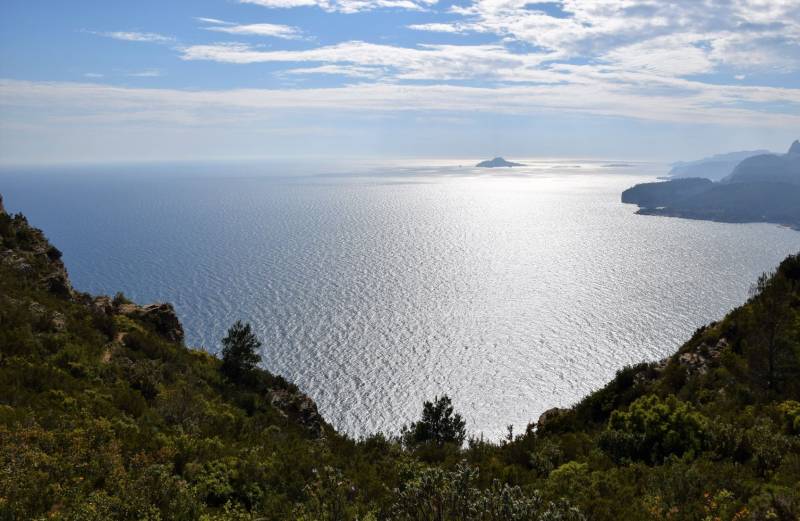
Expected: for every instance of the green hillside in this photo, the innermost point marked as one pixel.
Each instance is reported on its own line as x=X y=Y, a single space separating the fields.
x=105 y=414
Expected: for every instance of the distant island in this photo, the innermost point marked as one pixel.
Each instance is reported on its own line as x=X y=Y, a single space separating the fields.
x=497 y=162
x=761 y=188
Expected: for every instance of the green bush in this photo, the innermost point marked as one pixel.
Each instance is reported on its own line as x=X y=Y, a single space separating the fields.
x=652 y=429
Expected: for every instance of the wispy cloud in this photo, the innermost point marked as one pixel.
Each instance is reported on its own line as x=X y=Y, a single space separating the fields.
x=149 y=73
x=345 y=6
x=215 y=21
x=259 y=29
x=701 y=103
x=425 y=62
x=134 y=36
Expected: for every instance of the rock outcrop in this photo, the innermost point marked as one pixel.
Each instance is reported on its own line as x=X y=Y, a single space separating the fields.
x=300 y=408
x=548 y=416
x=160 y=316
x=697 y=360
x=26 y=250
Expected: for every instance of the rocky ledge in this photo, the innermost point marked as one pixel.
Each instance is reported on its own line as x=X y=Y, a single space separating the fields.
x=161 y=316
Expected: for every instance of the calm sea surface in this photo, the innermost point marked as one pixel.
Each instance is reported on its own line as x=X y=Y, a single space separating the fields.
x=375 y=289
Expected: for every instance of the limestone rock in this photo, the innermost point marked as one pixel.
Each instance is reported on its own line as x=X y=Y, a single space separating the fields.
x=299 y=407
x=102 y=304
x=549 y=415
x=161 y=316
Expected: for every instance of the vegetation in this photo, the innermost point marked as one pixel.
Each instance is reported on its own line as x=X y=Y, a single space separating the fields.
x=240 y=355
x=103 y=417
x=439 y=425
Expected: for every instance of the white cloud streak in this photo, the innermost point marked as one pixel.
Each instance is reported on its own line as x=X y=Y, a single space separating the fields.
x=133 y=36
x=149 y=73
x=259 y=29
x=345 y=6
x=76 y=103
x=426 y=62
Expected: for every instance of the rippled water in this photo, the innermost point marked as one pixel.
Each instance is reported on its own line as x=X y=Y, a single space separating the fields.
x=512 y=292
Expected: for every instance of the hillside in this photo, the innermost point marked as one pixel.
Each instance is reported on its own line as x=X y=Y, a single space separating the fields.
x=105 y=414
x=773 y=168
x=655 y=195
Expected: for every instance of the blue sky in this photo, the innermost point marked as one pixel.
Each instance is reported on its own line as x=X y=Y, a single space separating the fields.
x=115 y=81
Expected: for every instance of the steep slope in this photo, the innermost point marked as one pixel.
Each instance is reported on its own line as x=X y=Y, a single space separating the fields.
x=104 y=414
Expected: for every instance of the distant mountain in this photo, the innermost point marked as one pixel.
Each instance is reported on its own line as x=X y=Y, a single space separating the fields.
x=761 y=188
x=779 y=168
x=715 y=167
x=497 y=163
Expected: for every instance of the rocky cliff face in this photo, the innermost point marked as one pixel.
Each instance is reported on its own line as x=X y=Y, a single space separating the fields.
x=26 y=251
x=30 y=257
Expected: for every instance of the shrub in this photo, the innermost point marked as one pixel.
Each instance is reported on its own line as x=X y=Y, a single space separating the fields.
x=240 y=352
x=439 y=425
x=652 y=429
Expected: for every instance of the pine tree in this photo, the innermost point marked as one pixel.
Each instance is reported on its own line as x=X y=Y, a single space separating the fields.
x=439 y=424
x=240 y=352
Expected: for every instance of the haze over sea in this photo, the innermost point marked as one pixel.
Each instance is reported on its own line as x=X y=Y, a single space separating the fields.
x=376 y=287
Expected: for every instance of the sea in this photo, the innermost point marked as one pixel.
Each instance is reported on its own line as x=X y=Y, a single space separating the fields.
x=378 y=285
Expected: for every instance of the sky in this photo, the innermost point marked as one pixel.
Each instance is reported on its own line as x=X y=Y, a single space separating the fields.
x=99 y=80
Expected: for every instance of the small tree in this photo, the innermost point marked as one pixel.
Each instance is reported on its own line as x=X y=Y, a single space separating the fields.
x=770 y=352
x=438 y=424
x=240 y=351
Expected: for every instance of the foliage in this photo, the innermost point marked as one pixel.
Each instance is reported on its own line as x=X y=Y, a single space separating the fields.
x=240 y=354
x=438 y=425
x=439 y=495
x=652 y=429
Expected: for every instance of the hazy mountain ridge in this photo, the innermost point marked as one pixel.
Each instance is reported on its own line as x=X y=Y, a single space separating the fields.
x=776 y=168
x=715 y=167
x=761 y=188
